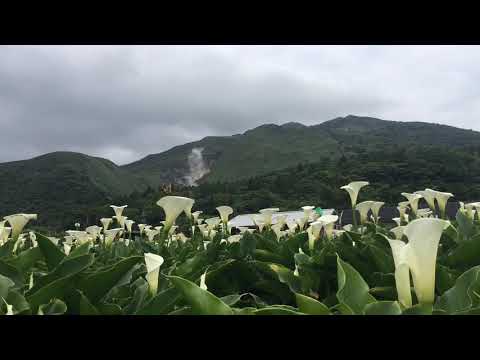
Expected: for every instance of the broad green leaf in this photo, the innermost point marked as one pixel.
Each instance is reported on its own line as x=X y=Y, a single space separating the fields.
x=7 y=248
x=186 y=310
x=267 y=256
x=283 y=274
x=97 y=285
x=19 y=302
x=12 y=273
x=66 y=268
x=276 y=310
x=54 y=307
x=231 y=300
x=86 y=307
x=162 y=303
x=83 y=249
x=353 y=292
x=311 y=306
x=202 y=301
x=466 y=254
x=382 y=259
x=56 y=289
x=445 y=278
x=52 y=254
x=419 y=310
x=465 y=226
x=109 y=309
x=5 y=285
x=383 y=308
x=24 y=261
x=464 y=295
x=244 y=311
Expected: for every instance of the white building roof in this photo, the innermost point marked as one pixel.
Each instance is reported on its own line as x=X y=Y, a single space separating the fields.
x=246 y=219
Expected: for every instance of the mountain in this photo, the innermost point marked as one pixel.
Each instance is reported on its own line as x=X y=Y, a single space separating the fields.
x=60 y=184
x=273 y=147
x=284 y=165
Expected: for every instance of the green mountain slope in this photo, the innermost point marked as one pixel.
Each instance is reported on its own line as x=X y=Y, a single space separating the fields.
x=61 y=184
x=272 y=147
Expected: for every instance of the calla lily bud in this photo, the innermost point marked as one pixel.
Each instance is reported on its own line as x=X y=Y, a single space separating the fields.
x=203 y=285
x=153 y=263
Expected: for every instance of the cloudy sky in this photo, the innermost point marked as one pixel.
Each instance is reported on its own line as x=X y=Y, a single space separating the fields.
x=124 y=102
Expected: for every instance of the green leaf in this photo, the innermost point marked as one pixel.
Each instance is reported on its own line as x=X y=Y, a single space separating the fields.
x=19 y=302
x=54 y=307
x=56 y=289
x=202 y=301
x=7 y=248
x=419 y=309
x=109 y=309
x=231 y=300
x=383 y=308
x=464 y=295
x=383 y=260
x=26 y=259
x=267 y=256
x=353 y=292
x=311 y=306
x=5 y=285
x=276 y=310
x=162 y=303
x=83 y=249
x=52 y=254
x=445 y=278
x=186 y=310
x=86 y=307
x=466 y=254
x=465 y=226
x=283 y=274
x=12 y=273
x=98 y=284
x=66 y=268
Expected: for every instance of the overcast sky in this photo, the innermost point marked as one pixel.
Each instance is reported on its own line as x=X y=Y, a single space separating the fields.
x=125 y=102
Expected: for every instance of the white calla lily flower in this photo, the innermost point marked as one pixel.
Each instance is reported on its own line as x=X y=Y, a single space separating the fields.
x=111 y=234
x=328 y=224
x=173 y=206
x=118 y=210
x=353 y=189
x=277 y=229
x=308 y=211
x=66 y=248
x=120 y=220
x=442 y=198
x=105 y=223
x=376 y=206
x=398 y=232
x=18 y=222
x=280 y=220
x=128 y=224
x=267 y=215
x=212 y=234
x=419 y=257
x=213 y=222
x=151 y=233
x=301 y=222
x=195 y=215
x=429 y=196
x=234 y=238
x=94 y=230
x=4 y=234
x=413 y=200
x=141 y=228
x=188 y=210
x=225 y=212
x=153 y=263
x=363 y=208
x=422 y=213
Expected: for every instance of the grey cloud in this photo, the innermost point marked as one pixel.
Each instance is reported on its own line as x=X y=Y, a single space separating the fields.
x=124 y=102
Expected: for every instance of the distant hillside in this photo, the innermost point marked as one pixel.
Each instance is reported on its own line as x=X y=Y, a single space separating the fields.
x=60 y=184
x=273 y=147
x=282 y=165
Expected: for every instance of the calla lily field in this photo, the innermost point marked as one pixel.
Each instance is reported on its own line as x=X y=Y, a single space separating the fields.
x=425 y=264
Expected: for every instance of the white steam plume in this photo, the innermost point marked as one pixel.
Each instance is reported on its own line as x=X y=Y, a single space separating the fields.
x=197 y=167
